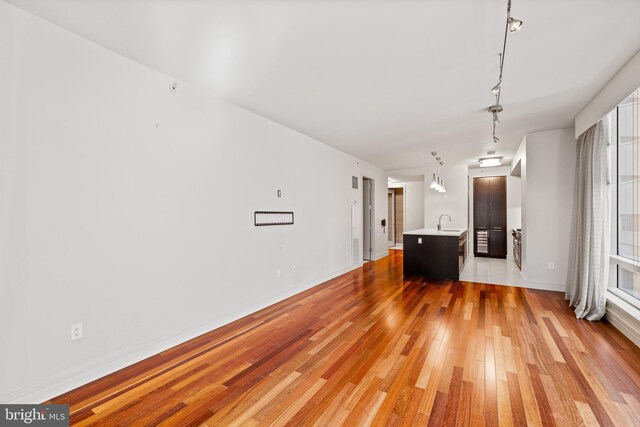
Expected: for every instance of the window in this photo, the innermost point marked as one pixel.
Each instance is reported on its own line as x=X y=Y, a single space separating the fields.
x=627 y=169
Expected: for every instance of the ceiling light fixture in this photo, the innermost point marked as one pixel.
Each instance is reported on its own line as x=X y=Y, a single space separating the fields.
x=511 y=26
x=490 y=162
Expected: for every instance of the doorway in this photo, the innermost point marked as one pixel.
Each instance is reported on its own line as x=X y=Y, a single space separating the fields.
x=367 y=219
x=391 y=214
x=396 y=217
x=405 y=198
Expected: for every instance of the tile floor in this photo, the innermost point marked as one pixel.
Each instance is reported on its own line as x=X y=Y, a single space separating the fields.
x=493 y=271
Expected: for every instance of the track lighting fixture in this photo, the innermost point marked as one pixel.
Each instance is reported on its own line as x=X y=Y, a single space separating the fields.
x=514 y=24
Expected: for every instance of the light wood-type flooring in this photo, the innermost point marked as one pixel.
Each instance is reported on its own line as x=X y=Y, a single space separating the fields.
x=373 y=348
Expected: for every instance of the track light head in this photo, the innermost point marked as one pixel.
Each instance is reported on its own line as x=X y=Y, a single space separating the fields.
x=496 y=89
x=514 y=24
x=496 y=119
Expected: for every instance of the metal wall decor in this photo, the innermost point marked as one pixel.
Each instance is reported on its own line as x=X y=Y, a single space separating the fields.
x=263 y=218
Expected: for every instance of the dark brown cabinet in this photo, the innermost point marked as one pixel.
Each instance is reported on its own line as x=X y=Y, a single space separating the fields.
x=481 y=197
x=490 y=216
x=434 y=256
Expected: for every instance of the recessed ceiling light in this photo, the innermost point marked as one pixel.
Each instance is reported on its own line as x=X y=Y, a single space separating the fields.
x=490 y=162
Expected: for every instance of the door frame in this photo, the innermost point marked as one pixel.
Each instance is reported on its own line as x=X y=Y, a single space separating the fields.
x=391 y=229
x=402 y=187
x=371 y=249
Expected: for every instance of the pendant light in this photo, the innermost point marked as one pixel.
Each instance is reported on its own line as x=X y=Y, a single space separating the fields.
x=437 y=183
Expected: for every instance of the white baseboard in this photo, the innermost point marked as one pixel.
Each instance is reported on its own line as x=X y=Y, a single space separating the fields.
x=624 y=318
x=68 y=380
x=544 y=286
x=559 y=287
x=381 y=255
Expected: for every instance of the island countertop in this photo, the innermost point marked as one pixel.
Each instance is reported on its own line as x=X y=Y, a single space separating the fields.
x=435 y=232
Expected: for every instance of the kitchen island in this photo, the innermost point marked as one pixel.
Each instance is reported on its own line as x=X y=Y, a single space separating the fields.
x=433 y=253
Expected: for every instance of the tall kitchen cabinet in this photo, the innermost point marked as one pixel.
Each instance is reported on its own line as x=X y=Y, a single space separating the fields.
x=490 y=216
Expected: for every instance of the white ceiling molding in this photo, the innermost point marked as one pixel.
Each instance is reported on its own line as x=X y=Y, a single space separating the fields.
x=623 y=84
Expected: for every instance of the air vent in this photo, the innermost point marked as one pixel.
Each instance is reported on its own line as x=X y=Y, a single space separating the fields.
x=354 y=182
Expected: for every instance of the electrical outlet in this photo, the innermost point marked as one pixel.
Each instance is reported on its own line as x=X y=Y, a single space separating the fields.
x=278 y=272
x=76 y=331
x=551 y=266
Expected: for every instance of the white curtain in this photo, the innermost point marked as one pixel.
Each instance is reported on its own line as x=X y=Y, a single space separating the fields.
x=590 y=239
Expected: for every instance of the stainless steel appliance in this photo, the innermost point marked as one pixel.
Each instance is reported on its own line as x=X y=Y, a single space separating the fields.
x=517 y=246
x=462 y=250
x=482 y=242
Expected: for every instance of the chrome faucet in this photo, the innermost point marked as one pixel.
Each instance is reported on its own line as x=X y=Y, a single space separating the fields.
x=440 y=221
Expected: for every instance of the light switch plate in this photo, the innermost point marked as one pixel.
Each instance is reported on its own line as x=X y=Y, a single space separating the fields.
x=419 y=240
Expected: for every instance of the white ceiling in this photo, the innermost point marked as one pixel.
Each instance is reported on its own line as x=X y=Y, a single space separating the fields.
x=388 y=81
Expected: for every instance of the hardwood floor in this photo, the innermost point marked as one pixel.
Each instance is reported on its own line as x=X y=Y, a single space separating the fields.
x=371 y=348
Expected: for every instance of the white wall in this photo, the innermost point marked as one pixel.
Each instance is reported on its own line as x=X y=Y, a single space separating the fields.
x=144 y=232
x=514 y=203
x=547 y=205
x=413 y=197
x=454 y=202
